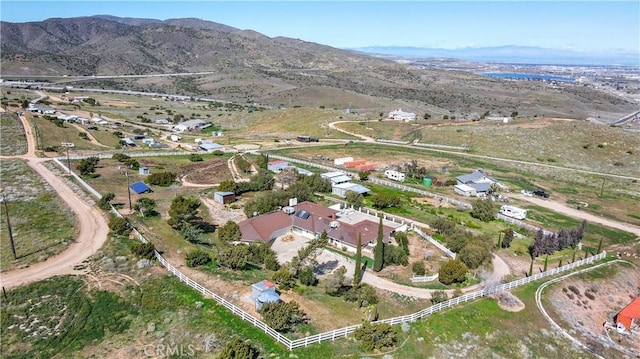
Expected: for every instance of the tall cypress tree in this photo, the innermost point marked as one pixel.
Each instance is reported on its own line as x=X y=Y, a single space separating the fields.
x=357 y=275
x=378 y=252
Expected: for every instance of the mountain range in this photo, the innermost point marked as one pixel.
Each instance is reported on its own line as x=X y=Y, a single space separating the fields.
x=247 y=66
x=510 y=54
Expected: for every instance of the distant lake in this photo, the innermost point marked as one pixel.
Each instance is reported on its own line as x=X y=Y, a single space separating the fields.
x=507 y=75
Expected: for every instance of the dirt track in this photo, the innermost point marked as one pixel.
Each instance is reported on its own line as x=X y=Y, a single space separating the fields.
x=91 y=224
x=574 y=213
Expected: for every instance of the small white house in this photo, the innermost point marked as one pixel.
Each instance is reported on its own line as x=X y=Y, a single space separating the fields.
x=395 y=175
x=190 y=125
x=400 y=115
x=513 y=212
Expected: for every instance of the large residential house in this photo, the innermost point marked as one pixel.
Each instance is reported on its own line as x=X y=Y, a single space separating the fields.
x=311 y=219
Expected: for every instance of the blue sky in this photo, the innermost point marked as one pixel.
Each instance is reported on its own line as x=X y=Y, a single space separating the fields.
x=573 y=25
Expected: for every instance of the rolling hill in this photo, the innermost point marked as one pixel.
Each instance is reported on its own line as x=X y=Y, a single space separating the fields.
x=251 y=67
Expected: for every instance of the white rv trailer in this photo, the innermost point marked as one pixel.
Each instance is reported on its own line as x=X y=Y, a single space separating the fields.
x=513 y=212
x=394 y=175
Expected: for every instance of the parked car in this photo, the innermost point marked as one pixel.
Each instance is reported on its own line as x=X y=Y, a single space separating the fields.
x=541 y=193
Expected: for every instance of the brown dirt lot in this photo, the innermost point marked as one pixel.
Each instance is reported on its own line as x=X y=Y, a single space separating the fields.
x=585 y=302
x=207 y=172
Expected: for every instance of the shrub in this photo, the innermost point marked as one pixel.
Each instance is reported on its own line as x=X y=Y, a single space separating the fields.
x=119 y=226
x=160 y=178
x=307 y=277
x=418 y=268
x=233 y=256
x=363 y=294
x=284 y=278
x=439 y=296
x=143 y=250
x=104 y=203
x=194 y=157
x=281 y=316
x=120 y=157
x=483 y=210
x=375 y=336
x=238 y=349
x=197 y=258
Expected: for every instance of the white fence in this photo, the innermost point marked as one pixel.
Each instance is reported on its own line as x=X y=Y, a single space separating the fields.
x=344 y=332
x=440 y=246
x=522 y=224
x=130 y=154
x=461 y=204
x=433 y=145
x=424 y=279
x=78 y=179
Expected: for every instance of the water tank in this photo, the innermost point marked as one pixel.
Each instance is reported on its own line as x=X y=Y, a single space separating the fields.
x=288 y=210
x=426 y=181
x=267 y=297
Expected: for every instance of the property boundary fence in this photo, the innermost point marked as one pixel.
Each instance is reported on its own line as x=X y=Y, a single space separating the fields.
x=130 y=154
x=424 y=279
x=342 y=332
x=440 y=246
x=522 y=224
x=463 y=148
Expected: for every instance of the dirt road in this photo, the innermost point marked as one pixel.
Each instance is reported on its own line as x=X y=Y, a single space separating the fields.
x=90 y=222
x=574 y=213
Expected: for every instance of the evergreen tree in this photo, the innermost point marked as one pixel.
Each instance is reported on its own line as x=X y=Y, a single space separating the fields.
x=508 y=238
x=357 y=275
x=378 y=252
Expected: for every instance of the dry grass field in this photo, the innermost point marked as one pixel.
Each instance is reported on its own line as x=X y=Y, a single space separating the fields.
x=41 y=224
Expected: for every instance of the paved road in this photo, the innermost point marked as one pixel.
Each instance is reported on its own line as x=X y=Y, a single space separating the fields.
x=90 y=223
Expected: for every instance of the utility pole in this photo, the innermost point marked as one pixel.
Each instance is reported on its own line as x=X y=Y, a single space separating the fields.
x=602 y=188
x=6 y=213
x=68 y=161
x=126 y=173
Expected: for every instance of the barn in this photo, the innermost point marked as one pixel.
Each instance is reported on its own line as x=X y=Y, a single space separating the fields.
x=629 y=316
x=224 y=197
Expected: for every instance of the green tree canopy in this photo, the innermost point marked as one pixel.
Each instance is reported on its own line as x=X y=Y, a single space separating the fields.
x=238 y=349
x=484 y=210
x=375 y=336
x=183 y=210
x=229 y=232
x=452 y=271
x=281 y=316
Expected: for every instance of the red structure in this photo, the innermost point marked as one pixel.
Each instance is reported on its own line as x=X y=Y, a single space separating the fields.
x=629 y=315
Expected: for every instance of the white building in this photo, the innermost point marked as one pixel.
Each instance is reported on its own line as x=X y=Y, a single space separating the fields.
x=190 y=125
x=341 y=189
x=394 y=175
x=400 y=115
x=465 y=190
